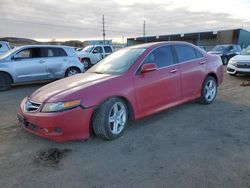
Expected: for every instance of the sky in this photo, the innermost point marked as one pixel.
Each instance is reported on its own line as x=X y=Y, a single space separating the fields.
x=82 y=20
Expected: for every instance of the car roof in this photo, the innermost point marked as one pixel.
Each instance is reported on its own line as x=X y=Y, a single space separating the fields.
x=155 y=44
x=45 y=45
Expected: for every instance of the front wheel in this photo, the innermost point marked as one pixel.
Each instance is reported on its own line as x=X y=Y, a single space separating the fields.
x=5 y=81
x=209 y=90
x=86 y=63
x=110 y=119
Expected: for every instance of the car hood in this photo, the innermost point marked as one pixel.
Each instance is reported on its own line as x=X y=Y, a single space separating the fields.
x=62 y=88
x=241 y=58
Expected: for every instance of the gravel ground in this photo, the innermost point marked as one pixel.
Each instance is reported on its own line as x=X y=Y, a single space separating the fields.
x=191 y=145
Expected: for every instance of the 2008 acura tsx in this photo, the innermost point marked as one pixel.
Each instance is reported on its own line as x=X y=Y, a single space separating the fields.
x=131 y=83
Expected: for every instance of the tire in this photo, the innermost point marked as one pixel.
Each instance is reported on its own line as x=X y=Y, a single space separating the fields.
x=5 y=81
x=86 y=63
x=72 y=71
x=107 y=122
x=209 y=85
x=225 y=60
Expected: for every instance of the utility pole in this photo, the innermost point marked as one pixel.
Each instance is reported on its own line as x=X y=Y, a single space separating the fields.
x=144 y=31
x=103 y=29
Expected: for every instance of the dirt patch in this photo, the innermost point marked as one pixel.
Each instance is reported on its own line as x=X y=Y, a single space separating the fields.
x=51 y=156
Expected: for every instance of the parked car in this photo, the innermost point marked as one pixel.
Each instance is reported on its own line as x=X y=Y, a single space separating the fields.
x=240 y=63
x=37 y=62
x=131 y=83
x=4 y=47
x=90 y=55
x=226 y=52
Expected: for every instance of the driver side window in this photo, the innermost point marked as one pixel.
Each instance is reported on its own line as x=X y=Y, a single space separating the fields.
x=29 y=53
x=162 y=57
x=98 y=49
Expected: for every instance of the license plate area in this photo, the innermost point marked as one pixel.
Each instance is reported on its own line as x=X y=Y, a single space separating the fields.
x=26 y=124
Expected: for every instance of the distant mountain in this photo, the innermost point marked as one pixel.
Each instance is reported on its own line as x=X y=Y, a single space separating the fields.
x=21 y=41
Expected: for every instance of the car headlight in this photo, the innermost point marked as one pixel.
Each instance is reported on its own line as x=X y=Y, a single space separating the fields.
x=232 y=62
x=60 y=106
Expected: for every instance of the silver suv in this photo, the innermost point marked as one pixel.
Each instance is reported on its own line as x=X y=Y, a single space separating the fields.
x=37 y=62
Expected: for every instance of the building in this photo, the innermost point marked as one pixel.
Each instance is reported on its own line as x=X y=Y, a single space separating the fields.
x=206 y=39
x=96 y=42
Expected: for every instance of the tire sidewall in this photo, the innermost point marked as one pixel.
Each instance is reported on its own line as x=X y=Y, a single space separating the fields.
x=104 y=110
x=73 y=68
x=203 y=97
x=107 y=128
x=86 y=61
x=7 y=81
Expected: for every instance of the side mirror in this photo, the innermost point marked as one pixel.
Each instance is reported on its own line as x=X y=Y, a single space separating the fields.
x=95 y=51
x=149 y=67
x=16 y=57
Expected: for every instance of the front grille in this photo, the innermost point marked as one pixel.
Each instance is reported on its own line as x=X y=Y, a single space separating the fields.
x=243 y=65
x=31 y=106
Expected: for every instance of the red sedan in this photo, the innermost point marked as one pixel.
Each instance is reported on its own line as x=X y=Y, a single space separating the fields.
x=131 y=83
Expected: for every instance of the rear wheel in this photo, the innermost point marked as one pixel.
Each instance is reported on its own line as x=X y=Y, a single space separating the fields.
x=72 y=71
x=209 y=90
x=110 y=119
x=5 y=81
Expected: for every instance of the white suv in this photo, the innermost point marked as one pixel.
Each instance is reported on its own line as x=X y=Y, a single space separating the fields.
x=4 y=47
x=90 y=55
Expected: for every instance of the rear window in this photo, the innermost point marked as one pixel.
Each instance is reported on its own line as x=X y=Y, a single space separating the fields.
x=55 y=52
x=185 y=53
x=107 y=49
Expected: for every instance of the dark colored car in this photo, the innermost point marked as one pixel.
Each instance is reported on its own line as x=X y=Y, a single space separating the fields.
x=131 y=83
x=226 y=51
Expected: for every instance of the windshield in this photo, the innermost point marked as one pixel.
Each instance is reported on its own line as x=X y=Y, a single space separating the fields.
x=118 y=62
x=220 y=48
x=88 y=49
x=246 y=51
x=6 y=54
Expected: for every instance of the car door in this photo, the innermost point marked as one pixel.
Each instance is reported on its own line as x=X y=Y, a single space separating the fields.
x=193 y=69
x=108 y=50
x=29 y=65
x=56 y=61
x=156 y=89
x=97 y=54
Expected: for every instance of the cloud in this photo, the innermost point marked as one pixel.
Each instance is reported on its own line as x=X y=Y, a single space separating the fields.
x=82 y=19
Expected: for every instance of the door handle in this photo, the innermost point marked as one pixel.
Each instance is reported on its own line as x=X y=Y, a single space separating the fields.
x=173 y=71
x=202 y=62
x=42 y=61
